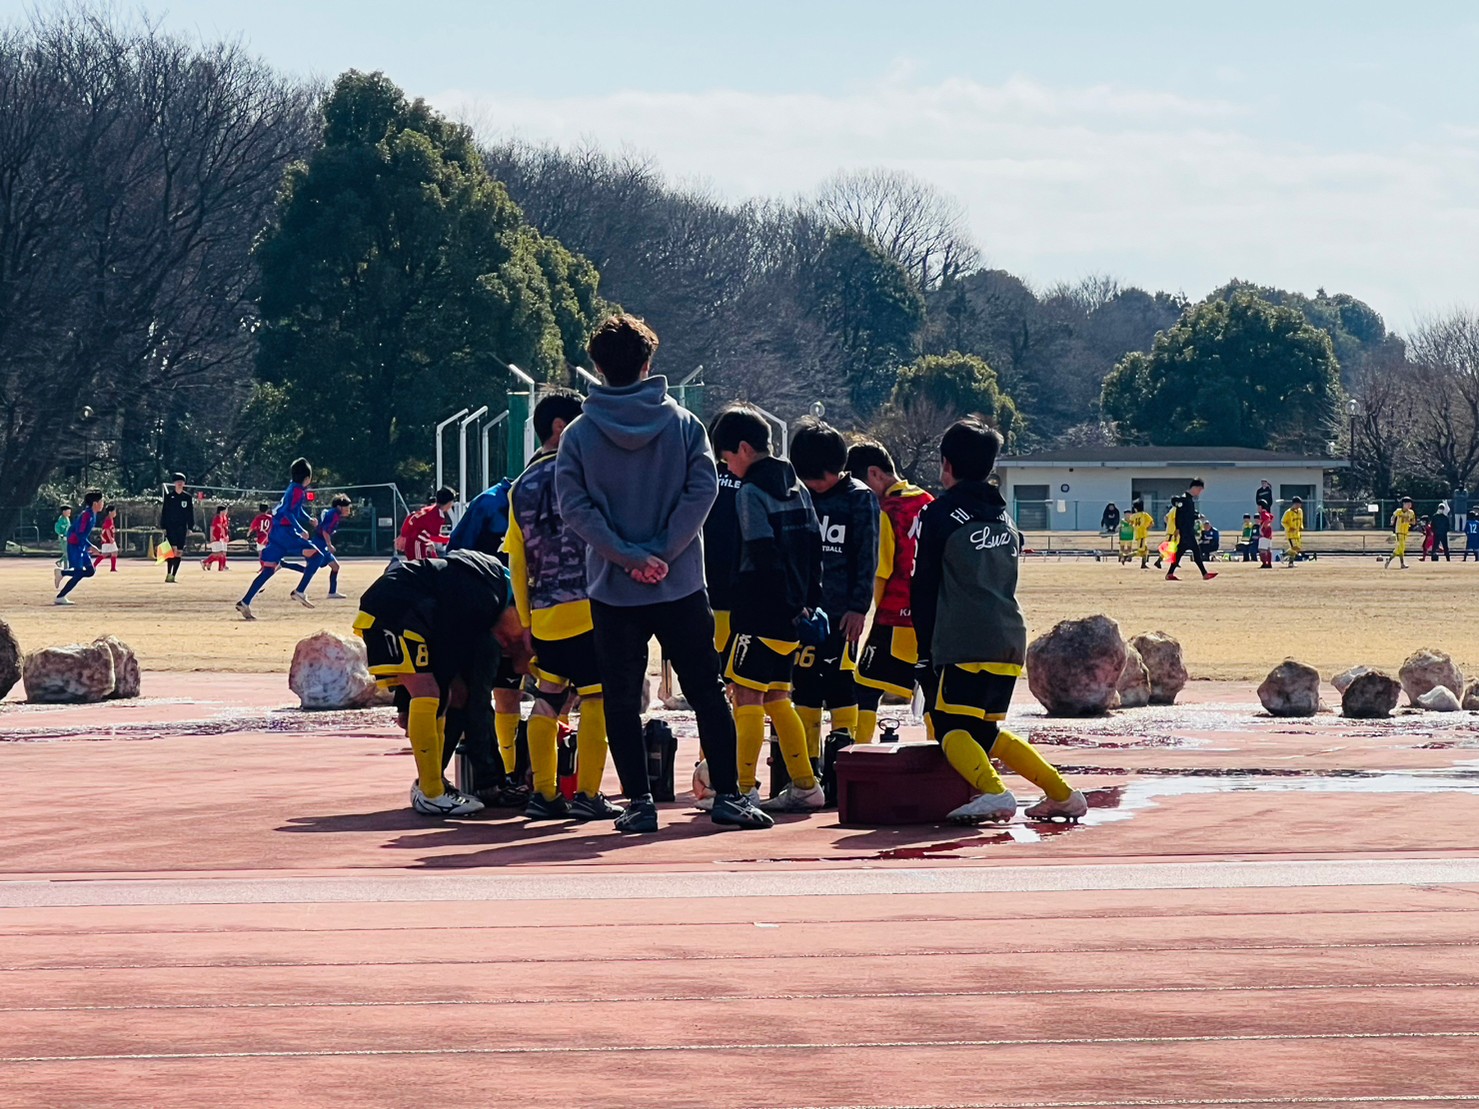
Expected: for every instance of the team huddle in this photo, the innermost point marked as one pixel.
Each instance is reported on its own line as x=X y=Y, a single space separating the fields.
x=757 y=576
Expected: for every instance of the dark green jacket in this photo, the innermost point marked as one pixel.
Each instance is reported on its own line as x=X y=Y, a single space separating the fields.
x=964 y=591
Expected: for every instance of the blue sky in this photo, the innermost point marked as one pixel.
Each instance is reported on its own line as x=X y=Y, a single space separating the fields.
x=1299 y=144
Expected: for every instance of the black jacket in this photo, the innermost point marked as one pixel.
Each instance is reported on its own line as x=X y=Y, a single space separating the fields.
x=1264 y=498
x=848 y=516
x=965 y=580
x=722 y=543
x=177 y=516
x=1185 y=518
x=780 y=561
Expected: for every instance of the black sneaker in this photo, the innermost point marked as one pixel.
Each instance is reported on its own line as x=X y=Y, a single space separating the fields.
x=588 y=807
x=640 y=816
x=734 y=810
x=542 y=809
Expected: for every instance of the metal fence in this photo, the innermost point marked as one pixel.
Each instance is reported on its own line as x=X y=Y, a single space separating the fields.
x=1227 y=515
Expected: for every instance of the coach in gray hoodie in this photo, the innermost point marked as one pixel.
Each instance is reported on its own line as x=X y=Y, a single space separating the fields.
x=635 y=479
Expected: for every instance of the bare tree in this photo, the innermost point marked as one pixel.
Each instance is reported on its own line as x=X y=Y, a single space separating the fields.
x=923 y=229
x=1384 y=448
x=1444 y=351
x=136 y=169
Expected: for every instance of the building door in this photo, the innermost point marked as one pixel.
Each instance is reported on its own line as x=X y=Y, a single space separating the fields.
x=1157 y=494
x=1032 y=507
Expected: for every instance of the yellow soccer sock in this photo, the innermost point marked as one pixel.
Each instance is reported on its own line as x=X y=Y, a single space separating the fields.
x=971 y=762
x=422 y=729
x=811 y=720
x=749 y=730
x=590 y=746
x=791 y=734
x=544 y=759
x=845 y=720
x=867 y=725
x=506 y=728
x=1022 y=758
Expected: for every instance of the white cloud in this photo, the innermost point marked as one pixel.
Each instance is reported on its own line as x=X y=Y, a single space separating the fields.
x=1162 y=190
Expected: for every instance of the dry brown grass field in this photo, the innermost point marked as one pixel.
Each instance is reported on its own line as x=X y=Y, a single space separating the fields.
x=1333 y=613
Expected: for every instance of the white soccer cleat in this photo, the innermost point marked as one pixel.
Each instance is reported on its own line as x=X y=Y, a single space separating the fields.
x=338 y=596
x=795 y=799
x=245 y=610
x=302 y=599
x=62 y=601
x=450 y=803
x=1071 y=808
x=993 y=808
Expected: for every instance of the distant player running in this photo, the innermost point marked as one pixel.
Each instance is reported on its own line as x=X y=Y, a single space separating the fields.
x=79 y=547
x=110 y=537
x=848 y=514
x=291 y=536
x=889 y=656
x=433 y=626
x=323 y=540
x=1141 y=522
x=260 y=529
x=972 y=634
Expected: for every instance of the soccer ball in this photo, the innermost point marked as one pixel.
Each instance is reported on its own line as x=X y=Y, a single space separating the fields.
x=702 y=787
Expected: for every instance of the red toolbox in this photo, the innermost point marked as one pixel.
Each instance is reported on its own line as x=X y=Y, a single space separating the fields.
x=897 y=783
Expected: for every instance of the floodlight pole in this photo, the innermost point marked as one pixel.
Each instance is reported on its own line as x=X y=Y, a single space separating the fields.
x=488 y=447
x=440 y=428
x=471 y=417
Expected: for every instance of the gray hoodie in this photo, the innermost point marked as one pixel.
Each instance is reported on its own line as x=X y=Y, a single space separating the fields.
x=635 y=477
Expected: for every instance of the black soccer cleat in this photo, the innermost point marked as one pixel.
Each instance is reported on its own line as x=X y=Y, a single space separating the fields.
x=587 y=807
x=734 y=810
x=640 y=816
x=542 y=808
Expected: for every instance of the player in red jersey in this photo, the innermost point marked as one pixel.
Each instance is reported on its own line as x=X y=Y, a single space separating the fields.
x=426 y=531
x=110 y=538
x=891 y=652
x=260 y=528
x=220 y=539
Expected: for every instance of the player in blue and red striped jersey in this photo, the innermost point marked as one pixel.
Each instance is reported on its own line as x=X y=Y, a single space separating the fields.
x=79 y=547
x=323 y=539
x=291 y=537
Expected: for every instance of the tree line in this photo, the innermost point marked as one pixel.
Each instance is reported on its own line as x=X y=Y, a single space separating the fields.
x=208 y=266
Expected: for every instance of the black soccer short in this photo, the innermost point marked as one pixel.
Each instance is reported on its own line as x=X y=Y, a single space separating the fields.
x=508 y=677
x=396 y=645
x=824 y=676
x=760 y=664
x=974 y=690
x=570 y=662
x=888 y=659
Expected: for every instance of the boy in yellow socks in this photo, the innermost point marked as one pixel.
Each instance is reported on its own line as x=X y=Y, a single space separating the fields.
x=547 y=569
x=972 y=635
x=777 y=583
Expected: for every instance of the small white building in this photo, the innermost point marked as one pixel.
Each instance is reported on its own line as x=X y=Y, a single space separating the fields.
x=1067 y=490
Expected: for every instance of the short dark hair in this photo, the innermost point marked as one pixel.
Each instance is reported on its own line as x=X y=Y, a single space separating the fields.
x=263 y=507
x=558 y=404
x=817 y=449
x=223 y=508
x=741 y=423
x=1298 y=500
x=109 y=508
x=1194 y=482
x=445 y=495
x=341 y=500
x=92 y=496
x=620 y=347
x=1406 y=500
x=870 y=452
x=300 y=471
x=971 y=449
x=178 y=477
x=1138 y=504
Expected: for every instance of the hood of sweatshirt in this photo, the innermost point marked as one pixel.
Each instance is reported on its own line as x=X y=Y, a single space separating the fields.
x=776 y=477
x=630 y=416
x=981 y=495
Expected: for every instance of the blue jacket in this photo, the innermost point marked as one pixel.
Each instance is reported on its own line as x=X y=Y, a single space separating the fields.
x=635 y=477
x=485 y=522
